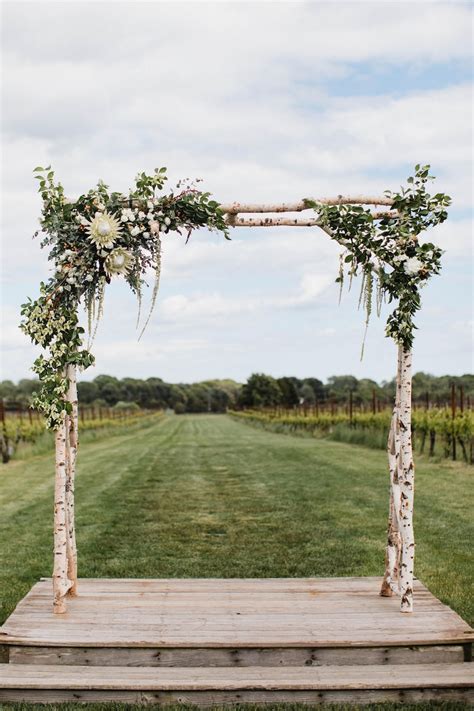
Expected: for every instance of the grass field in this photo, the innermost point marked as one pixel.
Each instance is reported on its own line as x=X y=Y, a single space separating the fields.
x=208 y=496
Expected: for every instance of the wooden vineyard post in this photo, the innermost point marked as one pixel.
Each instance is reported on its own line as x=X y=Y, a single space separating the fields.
x=72 y=443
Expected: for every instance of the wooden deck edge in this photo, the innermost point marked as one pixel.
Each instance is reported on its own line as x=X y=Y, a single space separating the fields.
x=11 y=640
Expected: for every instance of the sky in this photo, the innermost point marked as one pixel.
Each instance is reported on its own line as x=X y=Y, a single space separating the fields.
x=265 y=101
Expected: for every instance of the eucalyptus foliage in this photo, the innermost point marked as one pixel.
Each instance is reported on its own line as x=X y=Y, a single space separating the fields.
x=101 y=235
x=387 y=252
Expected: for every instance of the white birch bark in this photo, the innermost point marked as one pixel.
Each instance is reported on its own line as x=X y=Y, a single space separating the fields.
x=301 y=205
x=72 y=443
x=390 y=583
x=61 y=583
x=234 y=220
x=407 y=485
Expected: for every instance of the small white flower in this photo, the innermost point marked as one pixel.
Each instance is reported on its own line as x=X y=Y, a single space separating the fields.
x=141 y=215
x=135 y=231
x=400 y=258
x=149 y=204
x=88 y=277
x=146 y=234
x=154 y=227
x=167 y=221
x=412 y=266
x=127 y=215
x=84 y=220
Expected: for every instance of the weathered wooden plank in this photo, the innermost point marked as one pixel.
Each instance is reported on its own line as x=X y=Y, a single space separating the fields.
x=401 y=676
x=343 y=585
x=256 y=601
x=206 y=699
x=310 y=656
x=211 y=641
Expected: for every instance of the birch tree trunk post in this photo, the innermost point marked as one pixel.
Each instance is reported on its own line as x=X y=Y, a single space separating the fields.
x=390 y=583
x=61 y=583
x=72 y=443
x=407 y=485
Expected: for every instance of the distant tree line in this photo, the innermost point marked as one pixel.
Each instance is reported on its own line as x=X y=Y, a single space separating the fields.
x=152 y=393
x=260 y=390
x=264 y=391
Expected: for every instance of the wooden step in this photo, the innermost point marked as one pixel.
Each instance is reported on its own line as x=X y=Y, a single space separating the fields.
x=210 y=685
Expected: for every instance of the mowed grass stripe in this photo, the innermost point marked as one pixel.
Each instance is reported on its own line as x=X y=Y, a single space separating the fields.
x=206 y=496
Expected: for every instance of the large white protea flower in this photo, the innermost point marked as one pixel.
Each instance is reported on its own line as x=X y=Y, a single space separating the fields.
x=118 y=262
x=104 y=229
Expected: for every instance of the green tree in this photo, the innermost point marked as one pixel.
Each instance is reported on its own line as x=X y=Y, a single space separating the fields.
x=109 y=388
x=339 y=386
x=260 y=390
x=289 y=392
x=87 y=391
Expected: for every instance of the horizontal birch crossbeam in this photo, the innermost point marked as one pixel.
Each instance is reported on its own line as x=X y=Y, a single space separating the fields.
x=233 y=220
x=232 y=210
x=300 y=205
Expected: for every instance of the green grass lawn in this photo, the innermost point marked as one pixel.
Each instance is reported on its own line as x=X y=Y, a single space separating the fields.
x=207 y=496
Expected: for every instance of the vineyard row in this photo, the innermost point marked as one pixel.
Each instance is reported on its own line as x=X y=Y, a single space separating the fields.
x=436 y=432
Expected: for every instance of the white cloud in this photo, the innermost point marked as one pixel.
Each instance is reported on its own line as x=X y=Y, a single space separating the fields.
x=201 y=307
x=243 y=95
x=456 y=237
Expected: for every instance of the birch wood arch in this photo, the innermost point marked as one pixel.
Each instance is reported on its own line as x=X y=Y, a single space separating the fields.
x=349 y=219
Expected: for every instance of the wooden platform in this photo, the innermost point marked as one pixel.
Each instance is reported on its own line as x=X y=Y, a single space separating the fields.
x=332 y=639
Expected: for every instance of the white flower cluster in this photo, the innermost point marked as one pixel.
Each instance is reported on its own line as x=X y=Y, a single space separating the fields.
x=128 y=215
x=411 y=265
x=143 y=223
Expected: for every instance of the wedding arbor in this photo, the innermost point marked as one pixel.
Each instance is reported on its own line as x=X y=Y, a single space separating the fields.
x=104 y=234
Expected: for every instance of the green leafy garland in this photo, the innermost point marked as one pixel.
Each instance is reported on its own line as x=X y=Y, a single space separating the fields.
x=101 y=235
x=387 y=251
x=104 y=234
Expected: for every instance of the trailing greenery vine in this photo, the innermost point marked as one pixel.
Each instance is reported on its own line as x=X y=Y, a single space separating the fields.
x=387 y=252
x=101 y=235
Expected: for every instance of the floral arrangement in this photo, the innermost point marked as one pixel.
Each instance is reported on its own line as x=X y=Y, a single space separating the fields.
x=100 y=236
x=386 y=250
x=105 y=234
